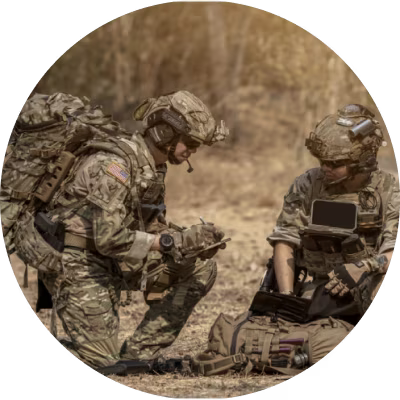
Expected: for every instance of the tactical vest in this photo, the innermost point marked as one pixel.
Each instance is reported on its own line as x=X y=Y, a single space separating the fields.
x=372 y=202
x=146 y=199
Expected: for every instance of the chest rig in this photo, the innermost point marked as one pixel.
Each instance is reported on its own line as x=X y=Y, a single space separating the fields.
x=145 y=200
x=325 y=248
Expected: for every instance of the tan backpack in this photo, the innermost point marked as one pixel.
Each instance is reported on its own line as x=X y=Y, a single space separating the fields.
x=268 y=344
x=49 y=135
x=49 y=131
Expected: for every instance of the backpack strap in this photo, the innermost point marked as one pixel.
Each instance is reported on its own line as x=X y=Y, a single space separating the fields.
x=217 y=365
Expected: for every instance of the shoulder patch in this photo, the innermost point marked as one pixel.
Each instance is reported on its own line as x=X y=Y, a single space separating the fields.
x=118 y=172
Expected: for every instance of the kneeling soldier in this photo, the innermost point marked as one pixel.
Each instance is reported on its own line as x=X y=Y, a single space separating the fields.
x=112 y=206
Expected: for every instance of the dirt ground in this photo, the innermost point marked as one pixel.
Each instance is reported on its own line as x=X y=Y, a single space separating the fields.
x=244 y=197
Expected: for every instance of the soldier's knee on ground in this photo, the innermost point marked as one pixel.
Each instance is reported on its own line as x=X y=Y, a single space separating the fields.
x=91 y=321
x=98 y=354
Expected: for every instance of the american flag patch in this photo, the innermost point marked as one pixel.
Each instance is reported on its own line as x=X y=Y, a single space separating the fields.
x=116 y=170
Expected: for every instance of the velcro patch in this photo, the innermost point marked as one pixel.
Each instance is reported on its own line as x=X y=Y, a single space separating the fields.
x=118 y=172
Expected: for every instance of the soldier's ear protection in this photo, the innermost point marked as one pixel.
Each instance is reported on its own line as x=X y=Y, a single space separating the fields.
x=170 y=117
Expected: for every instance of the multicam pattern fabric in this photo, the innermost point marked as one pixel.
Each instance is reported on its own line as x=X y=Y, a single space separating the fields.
x=104 y=219
x=165 y=318
x=87 y=300
x=202 y=124
x=310 y=186
x=332 y=138
x=379 y=237
x=47 y=126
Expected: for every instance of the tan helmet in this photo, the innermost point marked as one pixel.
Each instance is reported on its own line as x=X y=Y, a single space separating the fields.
x=352 y=134
x=185 y=114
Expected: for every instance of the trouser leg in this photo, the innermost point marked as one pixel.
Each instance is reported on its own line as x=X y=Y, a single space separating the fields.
x=88 y=310
x=165 y=318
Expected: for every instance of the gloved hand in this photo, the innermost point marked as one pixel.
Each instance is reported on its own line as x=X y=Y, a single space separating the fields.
x=348 y=276
x=200 y=236
x=197 y=238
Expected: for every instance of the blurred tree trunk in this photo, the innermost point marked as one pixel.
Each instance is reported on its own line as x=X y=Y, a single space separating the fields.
x=337 y=81
x=226 y=71
x=219 y=58
x=120 y=33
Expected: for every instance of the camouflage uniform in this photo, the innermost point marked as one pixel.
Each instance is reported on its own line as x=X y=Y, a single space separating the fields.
x=378 y=203
x=97 y=205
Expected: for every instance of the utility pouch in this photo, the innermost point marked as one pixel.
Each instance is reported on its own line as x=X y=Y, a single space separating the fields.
x=52 y=232
x=314 y=261
x=353 y=249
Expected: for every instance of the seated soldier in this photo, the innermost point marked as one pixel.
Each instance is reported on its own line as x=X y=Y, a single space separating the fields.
x=332 y=243
x=348 y=265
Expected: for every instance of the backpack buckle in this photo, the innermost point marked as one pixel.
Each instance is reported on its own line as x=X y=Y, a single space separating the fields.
x=238 y=358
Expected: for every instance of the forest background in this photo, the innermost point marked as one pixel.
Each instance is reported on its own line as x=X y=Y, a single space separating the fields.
x=271 y=82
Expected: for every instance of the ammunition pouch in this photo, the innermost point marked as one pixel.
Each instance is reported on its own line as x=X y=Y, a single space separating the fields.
x=353 y=249
x=314 y=261
x=320 y=255
x=33 y=249
x=333 y=260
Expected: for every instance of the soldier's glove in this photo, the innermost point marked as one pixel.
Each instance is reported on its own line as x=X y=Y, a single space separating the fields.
x=191 y=242
x=348 y=276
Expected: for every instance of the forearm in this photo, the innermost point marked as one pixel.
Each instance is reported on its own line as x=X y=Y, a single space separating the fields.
x=118 y=242
x=388 y=255
x=156 y=244
x=284 y=266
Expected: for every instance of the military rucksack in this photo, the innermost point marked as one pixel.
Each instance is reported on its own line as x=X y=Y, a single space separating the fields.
x=268 y=344
x=48 y=135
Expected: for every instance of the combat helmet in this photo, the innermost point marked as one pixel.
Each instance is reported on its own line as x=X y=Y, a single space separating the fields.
x=352 y=135
x=179 y=116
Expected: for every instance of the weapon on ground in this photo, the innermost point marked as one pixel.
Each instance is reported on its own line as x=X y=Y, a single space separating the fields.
x=157 y=366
